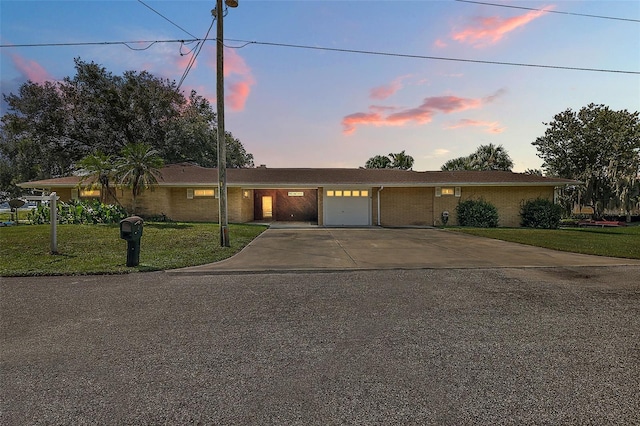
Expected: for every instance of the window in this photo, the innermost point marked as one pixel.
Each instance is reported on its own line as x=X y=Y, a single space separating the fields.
x=348 y=193
x=204 y=192
x=207 y=192
x=447 y=191
x=90 y=193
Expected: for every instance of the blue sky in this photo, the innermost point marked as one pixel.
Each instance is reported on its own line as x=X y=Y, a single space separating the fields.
x=302 y=107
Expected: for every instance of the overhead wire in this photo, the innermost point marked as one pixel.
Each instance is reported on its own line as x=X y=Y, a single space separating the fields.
x=331 y=49
x=165 y=18
x=195 y=56
x=549 y=11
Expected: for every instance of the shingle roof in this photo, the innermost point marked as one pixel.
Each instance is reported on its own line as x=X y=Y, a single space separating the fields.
x=186 y=174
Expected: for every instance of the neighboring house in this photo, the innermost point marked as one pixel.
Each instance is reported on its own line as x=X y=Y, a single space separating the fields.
x=330 y=197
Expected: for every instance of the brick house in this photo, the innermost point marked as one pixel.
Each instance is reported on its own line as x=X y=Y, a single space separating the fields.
x=330 y=197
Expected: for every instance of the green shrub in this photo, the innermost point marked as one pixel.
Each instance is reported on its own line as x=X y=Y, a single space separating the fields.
x=540 y=213
x=477 y=213
x=79 y=212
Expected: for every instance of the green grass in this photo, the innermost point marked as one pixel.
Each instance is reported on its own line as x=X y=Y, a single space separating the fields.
x=98 y=249
x=614 y=242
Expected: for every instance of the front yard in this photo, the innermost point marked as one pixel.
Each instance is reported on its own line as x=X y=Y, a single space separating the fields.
x=98 y=249
x=616 y=242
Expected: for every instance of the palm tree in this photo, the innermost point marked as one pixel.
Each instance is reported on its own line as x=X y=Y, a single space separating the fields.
x=460 y=163
x=138 y=168
x=491 y=157
x=378 y=162
x=401 y=161
x=98 y=167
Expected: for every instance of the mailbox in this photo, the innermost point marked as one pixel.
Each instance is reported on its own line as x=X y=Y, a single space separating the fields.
x=131 y=231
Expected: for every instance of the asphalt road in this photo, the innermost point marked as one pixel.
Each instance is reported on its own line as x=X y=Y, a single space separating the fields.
x=436 y=346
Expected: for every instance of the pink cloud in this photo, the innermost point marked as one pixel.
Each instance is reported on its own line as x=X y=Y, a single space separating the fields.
x=350 y=122
x=387 y=90
x=421 y=114
x=491 y=126
x=238 y=78
x=440 y=44
x=487 y=31
x=31 y=70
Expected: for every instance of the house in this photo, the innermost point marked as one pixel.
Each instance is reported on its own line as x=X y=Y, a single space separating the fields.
x=330 y=197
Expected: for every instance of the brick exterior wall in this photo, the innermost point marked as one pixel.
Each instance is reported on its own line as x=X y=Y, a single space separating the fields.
x=409 y=206
x=403 y=206
x=506 y=199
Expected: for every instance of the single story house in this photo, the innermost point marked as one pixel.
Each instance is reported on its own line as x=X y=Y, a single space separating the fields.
x=330 y=197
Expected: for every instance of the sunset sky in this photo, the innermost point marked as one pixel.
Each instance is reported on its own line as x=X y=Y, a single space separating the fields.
x=333 y=83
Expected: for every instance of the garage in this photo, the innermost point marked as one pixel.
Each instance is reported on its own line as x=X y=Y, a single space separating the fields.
x=347 y=206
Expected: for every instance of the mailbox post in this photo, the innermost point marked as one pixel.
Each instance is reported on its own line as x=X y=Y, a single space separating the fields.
x=131 y=231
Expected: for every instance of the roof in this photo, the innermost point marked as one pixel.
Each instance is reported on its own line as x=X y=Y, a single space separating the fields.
x=190 y=175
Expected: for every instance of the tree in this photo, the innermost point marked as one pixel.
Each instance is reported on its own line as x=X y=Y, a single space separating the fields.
x=99 y=168
x=138 y=168
x=400 y=161
x=486 y=157
x=599 y=147
x=491 y=157
x=378 y=162
x=49 y=127
x=460 y=163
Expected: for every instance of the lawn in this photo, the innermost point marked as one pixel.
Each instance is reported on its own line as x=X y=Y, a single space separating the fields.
x=615 y=242
x=98 y=249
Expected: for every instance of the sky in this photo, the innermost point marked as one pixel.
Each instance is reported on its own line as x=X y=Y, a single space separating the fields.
x=334 y=83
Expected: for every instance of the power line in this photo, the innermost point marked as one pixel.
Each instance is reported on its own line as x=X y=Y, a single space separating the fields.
x=549 y=11
x=195 y=56
x=437 y=58
x=167 y=19
x=330 y=49
x=98 y=43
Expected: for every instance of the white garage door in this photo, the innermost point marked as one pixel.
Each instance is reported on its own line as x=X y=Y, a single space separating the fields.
x=347 y=207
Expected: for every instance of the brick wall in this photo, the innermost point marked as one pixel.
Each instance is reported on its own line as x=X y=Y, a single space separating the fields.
x=404 y=206
x=506 y=199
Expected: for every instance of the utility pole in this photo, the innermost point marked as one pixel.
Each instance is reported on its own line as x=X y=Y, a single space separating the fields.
x=222 y=148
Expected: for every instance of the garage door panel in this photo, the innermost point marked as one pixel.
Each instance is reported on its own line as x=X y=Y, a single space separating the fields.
x=347 y=207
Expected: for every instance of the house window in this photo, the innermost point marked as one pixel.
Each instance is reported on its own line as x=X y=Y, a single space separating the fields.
x=295 y=194
x=90 y=193
x=440 y=191
x=198 y=193
x=204 y=192
x=348 y=193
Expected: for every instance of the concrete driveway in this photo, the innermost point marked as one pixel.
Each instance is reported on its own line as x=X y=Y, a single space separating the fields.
x=322 y=249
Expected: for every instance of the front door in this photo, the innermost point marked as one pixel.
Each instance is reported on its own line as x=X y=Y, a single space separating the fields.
x=267 y=207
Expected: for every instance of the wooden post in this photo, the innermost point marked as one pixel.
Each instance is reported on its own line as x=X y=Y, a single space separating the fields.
x=53 y=198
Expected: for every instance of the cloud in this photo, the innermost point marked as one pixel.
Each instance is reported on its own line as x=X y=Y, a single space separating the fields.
x=491 y=126
x=31 y=70
x=420 y=114
x=238 y=78
x=440 y=44
x=385 y=91
x=487 y=31
x=437 y=153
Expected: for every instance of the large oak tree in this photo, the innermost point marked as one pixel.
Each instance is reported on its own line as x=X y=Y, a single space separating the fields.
x=49 y=127
x=601 y=148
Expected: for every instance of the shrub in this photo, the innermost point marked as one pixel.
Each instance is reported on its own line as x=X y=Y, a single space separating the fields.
x=477 y=213
x=79 y=212
x=540 y=213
